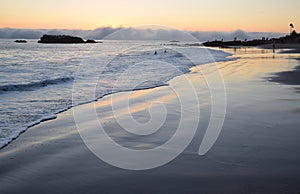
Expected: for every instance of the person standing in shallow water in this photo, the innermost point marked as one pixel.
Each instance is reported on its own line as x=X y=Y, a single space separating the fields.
x=155 y=53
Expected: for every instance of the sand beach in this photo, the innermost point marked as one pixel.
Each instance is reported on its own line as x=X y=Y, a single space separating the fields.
x=257 y=150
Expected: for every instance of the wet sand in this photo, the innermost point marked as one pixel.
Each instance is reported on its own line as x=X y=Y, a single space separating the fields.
x=283 y=48
x=291 y=77
x=256 y=152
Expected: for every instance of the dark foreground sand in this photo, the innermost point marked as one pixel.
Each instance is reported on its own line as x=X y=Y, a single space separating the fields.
x=258 y=150
x=291 y=77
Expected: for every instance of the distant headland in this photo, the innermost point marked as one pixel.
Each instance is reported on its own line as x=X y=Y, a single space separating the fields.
x=292 y=38
x=63 y=39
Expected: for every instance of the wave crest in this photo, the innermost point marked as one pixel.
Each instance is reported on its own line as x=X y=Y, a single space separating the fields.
x=34 y=85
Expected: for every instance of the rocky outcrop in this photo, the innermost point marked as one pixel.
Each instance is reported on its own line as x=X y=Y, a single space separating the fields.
x=90 y=41
x=20 y=41
x=63 y=39
x=60 y=39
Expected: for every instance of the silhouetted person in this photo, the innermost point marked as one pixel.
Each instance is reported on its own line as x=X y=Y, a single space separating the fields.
x=273 y=47
x=165 y=51
x=155 y=53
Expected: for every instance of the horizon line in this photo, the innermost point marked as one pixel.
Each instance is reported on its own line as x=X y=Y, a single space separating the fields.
x=124 y=27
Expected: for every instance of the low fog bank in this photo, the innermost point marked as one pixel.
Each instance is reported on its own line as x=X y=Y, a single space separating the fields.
x=136 y=34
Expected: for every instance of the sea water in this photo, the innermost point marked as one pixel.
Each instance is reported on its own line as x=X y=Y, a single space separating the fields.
x=37 y=80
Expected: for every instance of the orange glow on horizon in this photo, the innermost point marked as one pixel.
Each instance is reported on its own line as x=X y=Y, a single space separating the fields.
x=190 y=15
x=69 y=26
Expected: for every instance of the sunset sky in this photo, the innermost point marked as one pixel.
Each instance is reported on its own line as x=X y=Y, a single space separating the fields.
x=205 y=15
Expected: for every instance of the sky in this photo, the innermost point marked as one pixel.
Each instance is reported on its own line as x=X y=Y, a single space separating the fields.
x=191 y=15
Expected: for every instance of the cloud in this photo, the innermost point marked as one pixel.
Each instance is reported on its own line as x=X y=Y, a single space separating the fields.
x=136 y=34
x=20 y=33
x=100 y=33
x=150 y=34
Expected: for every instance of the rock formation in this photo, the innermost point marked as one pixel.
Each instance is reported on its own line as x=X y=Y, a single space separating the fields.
x=60 y=39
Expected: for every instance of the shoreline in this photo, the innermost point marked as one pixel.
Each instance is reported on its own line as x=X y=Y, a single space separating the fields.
x=54 y=115
x=257 y=155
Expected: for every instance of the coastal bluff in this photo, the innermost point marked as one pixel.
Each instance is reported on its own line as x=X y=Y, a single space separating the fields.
x=293 y=38
x=63 y=39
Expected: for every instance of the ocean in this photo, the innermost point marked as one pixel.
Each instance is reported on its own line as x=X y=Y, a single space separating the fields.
x=37 y=80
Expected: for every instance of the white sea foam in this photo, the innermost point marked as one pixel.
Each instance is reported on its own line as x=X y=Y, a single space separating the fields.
x=36 y=80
